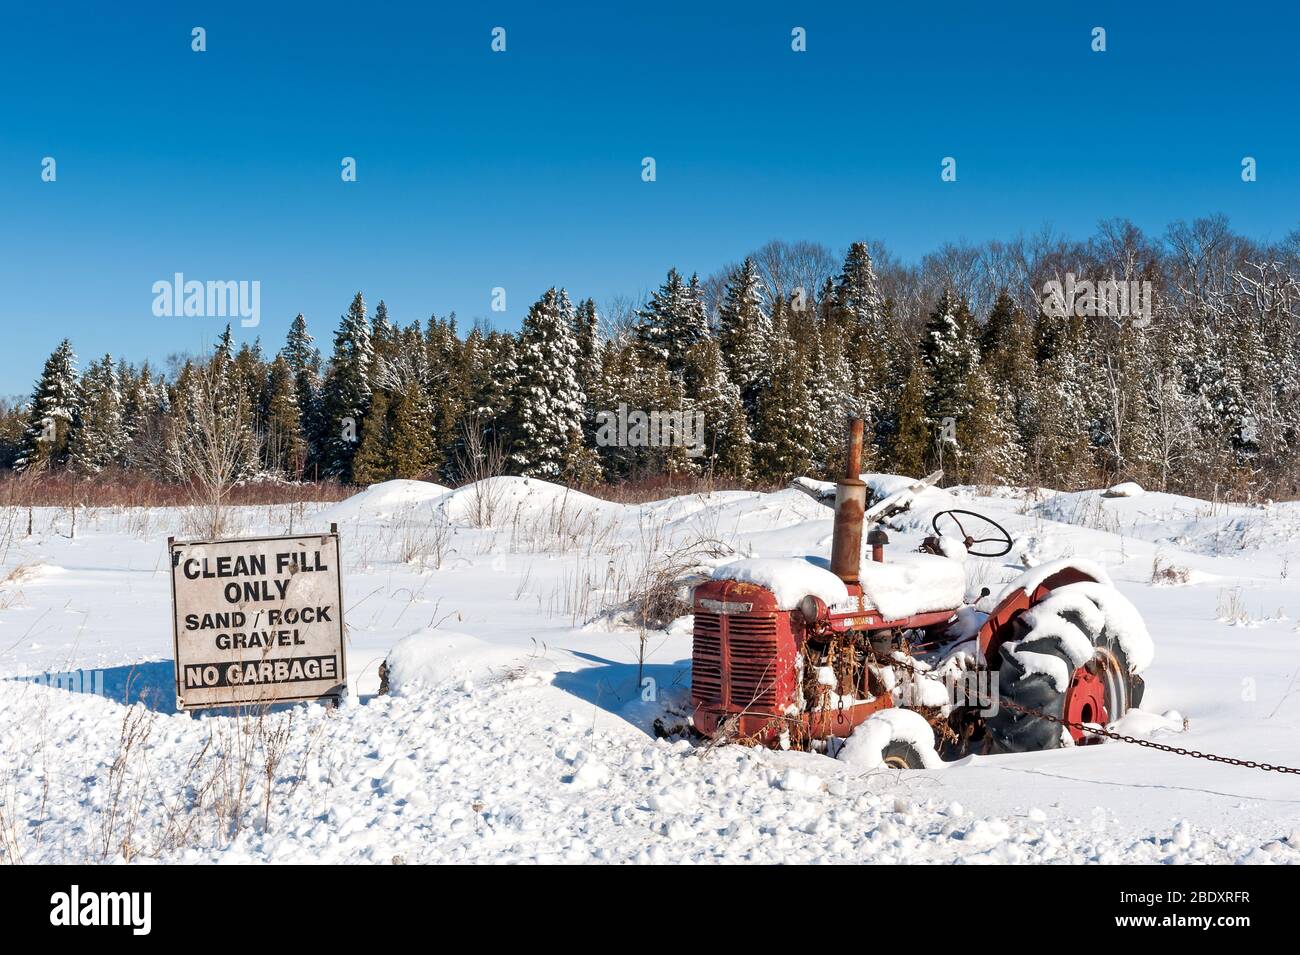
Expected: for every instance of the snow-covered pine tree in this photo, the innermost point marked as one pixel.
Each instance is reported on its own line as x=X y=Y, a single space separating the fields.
x=857 y=292
x=614 y=383
x=144 y=405
x=656 y=320
x=695 y=327
x=745 y=330
x=785 y=429
x=859 y=309
x=50 y=412
x=714 y=395
x=346 y=391
x=494 y=386
x=991 y=452
x=671 y=322
x=548 y=402
x=284 y=449
x=446 y=391
x=586 y=334
x=950 y=352
x=98 y=438
x=830 y=388
x=304 y=363
x=1058 y=450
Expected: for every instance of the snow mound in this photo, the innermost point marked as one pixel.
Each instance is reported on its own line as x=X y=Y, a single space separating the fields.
x=866 y=747
x=788 y=578
x=909 y=584
x=500 y=501
x=1144 y=723
x=381 y=501
x=429 y=658
x=1124 y=489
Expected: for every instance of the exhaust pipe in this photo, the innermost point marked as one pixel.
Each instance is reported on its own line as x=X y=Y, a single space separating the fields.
x=850 y=505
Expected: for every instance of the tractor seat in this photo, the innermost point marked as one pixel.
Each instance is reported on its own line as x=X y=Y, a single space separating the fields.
x=909 y=584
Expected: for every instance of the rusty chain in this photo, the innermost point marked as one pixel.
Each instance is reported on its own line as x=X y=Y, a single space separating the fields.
x=1110 y=734
x=1149 y=744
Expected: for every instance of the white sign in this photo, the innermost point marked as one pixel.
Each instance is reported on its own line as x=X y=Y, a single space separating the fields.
x=257 y=620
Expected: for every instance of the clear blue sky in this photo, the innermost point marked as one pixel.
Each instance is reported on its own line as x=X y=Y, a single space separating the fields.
x=522 y=169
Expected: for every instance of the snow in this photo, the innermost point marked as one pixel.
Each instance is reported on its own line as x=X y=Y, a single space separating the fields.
x=865 y=748
x=906 y=584
x=384 y=500
x=513 y=499
x=519 y=731
x=1053 y=666
x=1148 y=724
x=431 y=657
x=789 y=579
x=1124 y=489
x=1097 y=605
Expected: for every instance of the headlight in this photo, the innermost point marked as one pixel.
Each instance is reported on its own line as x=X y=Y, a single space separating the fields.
x=813 y=609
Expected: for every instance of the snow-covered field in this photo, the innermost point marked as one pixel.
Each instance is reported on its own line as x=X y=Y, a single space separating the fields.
x=516 y=729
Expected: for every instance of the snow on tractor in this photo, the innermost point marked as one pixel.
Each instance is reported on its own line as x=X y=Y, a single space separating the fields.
x=883 y=661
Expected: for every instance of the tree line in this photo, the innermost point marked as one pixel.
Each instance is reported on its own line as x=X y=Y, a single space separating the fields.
x=961 y=361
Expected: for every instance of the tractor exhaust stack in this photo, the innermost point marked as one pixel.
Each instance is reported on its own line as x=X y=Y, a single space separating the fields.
x=850 y=505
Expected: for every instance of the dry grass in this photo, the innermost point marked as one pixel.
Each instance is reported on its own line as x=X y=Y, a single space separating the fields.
x=1231 y=607
x=130 y=490
x=1166 y=574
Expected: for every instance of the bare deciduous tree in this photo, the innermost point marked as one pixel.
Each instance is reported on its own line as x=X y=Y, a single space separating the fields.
x=217 y=446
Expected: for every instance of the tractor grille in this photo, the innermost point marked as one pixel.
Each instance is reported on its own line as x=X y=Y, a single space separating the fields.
x=734 y=660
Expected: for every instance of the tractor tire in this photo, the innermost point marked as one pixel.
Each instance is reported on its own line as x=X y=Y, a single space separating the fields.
x=1100 y=690
x=902 y=755
x=892 y=739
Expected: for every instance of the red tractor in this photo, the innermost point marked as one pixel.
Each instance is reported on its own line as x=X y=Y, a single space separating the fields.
x=790 y=653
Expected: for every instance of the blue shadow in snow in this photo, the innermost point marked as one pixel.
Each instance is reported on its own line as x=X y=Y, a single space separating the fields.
x=613 y=686
x=152 y=683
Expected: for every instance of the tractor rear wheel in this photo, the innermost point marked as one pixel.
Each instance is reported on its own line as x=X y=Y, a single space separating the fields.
x=1050 y=670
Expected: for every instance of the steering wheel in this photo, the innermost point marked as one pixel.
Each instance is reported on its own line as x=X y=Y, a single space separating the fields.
x=1004 y=539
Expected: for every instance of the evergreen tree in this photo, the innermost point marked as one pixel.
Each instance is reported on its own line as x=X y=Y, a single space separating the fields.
x=909 y=447
x=346 y=391
x=857 y=293
x=727 y=446
x=586 y=324
x=372 y=462
x=51 y=412
x=304 y=362
x=98 y=438
x=284 y=447
x=950 y=352
x=547 y=400
x=785 y=426
x=671 y=322
x=744 y=328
